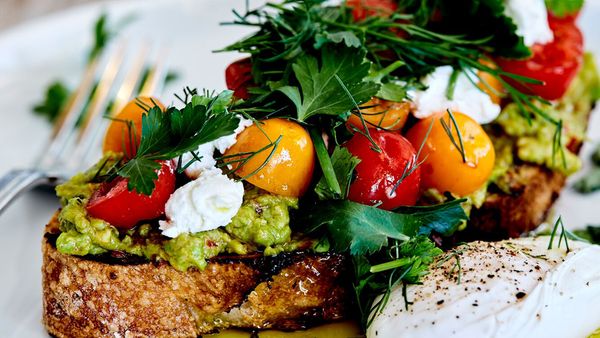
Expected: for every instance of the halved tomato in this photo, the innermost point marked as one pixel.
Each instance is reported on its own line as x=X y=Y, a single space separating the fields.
x=122 y=208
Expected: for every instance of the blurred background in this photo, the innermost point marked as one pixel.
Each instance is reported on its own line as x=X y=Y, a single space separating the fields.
x=15 y=11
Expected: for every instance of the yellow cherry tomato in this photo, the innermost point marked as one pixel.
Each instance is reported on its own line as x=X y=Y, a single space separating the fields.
x=122 y=138
x=443 y=165
x=283 y=160
x=490 y=84
x=381 y=113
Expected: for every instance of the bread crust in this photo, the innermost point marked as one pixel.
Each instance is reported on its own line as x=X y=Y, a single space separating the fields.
x=88 y=298
x=533 y=191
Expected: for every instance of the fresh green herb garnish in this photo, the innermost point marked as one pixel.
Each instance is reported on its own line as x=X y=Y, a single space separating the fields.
x=591 y=234
x=343 y=164
x=170 y=134
x=562 y=8
x=305 y=29
x=56 y=98
x=564 y=234
x=387 y=247
x=323 y=86
x=448 y=129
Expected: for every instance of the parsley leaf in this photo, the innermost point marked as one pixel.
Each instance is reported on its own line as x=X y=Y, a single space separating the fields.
x=343 y=165
x=562 y=8
x=175 y=132
x=364 y=229
x=439 y=218
x=56 y=98
x=333 y=87
x=347 y=37
x=375 y=279
x=141 y=174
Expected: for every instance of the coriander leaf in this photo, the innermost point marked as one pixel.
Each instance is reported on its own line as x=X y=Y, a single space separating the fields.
x=347 y=37
x=293 y=93
x=442 y=218
x=218 y=104
x=141 y=173
x=343 y=165
x=56 y=97
x=562 y=8
x=364 y=229
x=360 y=228
x=154 y=125
x=322 y=93
x=392 y=92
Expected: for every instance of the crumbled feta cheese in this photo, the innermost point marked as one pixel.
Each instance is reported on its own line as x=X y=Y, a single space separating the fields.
x=531 y=18
x=211 y=199
x=225 y=142
x=206 y=151
x=467 y=99
x=206 y=203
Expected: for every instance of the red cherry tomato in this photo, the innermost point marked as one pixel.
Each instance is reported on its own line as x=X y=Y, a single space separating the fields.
x=555 y=63
x=378 y=173
x=238 y=77
x=362 y=9
x=122 y=208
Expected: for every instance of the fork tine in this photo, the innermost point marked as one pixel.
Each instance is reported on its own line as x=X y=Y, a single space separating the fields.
x=156 y=76
x=92 y=122
x=124 y=94
x=67 y=119
x=132 y=78
x=100 y=98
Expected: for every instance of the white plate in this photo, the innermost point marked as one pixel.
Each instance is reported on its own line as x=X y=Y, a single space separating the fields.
x=35 y=53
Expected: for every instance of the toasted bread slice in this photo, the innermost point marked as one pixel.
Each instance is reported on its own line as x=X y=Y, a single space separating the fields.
x=128 y=298
x=533 y=191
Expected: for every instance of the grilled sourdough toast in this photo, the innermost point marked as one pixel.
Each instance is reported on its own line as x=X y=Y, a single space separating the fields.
x=528 y=189
x=124 y=296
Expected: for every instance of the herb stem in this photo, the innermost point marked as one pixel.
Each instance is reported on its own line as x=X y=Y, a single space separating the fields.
x=325 y=162
x=391 y=265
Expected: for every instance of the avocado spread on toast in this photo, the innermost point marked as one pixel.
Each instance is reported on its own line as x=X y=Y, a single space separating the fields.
x=262 y=223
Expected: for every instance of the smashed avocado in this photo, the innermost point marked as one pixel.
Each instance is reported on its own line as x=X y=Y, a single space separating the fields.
x=263 y=219
x=261 y=223
x=533 y=142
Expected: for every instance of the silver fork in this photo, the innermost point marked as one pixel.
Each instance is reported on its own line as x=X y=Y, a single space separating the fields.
x=69 y=147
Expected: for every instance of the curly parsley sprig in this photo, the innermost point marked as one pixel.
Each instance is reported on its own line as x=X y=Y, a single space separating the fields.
x=168 y=135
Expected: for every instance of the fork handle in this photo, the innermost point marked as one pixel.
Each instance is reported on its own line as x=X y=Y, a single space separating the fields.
x=16 y=182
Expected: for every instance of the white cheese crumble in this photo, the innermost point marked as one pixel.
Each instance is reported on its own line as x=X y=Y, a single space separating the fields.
x=211 y=199
x=206 y=203
x=531 y=18
x=207 y=150
x=467 y=99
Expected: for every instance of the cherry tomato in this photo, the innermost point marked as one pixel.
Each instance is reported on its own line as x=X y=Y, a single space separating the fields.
x=555 y=63
x=490 y=84
x=379 y=175
x=443 y=167
x=362 y=9
x=122 y=208
x=288 y=170
x=382 y=114
x=119 y=138
x=238 y=77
